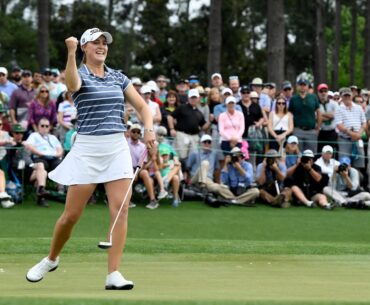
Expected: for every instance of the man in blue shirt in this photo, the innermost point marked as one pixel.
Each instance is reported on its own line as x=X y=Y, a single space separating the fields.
x=6 y=86
x=237 y=174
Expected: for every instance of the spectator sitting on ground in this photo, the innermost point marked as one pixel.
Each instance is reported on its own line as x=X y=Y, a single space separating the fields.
x=270 y=175
x=237 y=174
x=41 y=107
x=291 y=154
x=307 y=182
x=345 y=186
x=47 y=153
x=5 y=140
x=5 y=198
x=326 y=161
x=137 y=150
x=170 y=173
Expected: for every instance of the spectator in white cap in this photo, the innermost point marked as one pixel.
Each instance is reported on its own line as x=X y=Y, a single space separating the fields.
x=162 y=85
x=189 y=122
x=326 y=161
x=6 y=86
x=226 y=92
x=146 y=93
x=137 y=83
x=216 y=81
x=307 y=182
x=336 y=97
x=345 y=188
x=256 y=85
x=365 y=95
x=291 y=154
x=231 y=126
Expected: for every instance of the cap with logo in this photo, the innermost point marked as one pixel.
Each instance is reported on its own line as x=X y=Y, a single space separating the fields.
x=26 y=73
x=308 y=153
x=3 y=70
x=226 y=90
x=93 y=34
x=18 y=128
x=292 y=139
x=286 y=85
x=345 y=91
x=145 y=89
x=193 y=93
x=230 y=99
x=193 y=79
x=345 y=160
x=216 y=75
x=253 y=94
x=245 y=89
x=327 y=149
x=205 y=137
x=322 y=86
x=135 y=126
x=236 y=151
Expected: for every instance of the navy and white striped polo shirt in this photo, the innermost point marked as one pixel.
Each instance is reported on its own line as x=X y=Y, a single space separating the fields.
x=100 y=102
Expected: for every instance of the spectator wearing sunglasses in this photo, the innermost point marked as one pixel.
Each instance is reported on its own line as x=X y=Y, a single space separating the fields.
x=280 y=124
x=327 y=134
x=41 y=107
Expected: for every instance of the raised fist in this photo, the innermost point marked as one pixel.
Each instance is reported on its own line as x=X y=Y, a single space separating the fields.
x=71 y=43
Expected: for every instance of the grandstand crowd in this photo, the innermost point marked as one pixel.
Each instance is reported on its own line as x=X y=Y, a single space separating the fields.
x=229 y=143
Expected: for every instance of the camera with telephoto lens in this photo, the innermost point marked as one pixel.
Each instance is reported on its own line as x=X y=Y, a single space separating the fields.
x=305 y=160
x=270 y=161
x=342 y=168
x=234 y=158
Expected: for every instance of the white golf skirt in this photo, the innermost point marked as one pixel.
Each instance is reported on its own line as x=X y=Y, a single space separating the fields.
x=95 y=159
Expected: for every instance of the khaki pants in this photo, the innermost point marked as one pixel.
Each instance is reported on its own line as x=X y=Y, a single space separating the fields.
x=342 y=200
x=201 y=177
x=185 y=143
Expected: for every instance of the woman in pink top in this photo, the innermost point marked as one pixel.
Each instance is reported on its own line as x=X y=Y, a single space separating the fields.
x=231 y=126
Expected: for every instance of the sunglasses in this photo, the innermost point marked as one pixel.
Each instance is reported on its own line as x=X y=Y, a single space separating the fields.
x=207 y=142
x=280 y=103
x=246 y=92
x=323 y=91
x=44 y=126
x=136 y=131
x=44 y=91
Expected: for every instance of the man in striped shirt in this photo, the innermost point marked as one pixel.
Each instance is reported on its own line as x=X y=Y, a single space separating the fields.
x=350 y=121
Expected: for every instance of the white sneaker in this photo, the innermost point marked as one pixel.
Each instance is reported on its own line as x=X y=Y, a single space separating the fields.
x=4 y=195
x=162 y=194
x=152 y=205
x=6 y=204
x=115 y=281
x=37 y=272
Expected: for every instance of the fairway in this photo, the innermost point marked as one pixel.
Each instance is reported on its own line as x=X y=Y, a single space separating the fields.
x=194 y=255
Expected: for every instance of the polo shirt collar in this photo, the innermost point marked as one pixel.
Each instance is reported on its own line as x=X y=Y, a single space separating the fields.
x=106 y=69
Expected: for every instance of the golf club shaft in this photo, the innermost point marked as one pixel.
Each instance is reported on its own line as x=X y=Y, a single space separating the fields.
x=128 y=190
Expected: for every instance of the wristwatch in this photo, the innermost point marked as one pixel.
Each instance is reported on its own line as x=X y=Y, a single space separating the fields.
x=149 y=129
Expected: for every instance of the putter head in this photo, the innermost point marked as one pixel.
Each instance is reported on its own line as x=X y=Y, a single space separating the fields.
x=104 y=245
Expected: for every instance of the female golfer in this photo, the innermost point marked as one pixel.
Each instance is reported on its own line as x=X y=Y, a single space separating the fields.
x=100 y=153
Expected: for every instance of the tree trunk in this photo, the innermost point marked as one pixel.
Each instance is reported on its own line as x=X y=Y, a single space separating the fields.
x=337 y=43
x=214 y=38
x=320 y=50
x=352 y=64
x=275 y=41
x=366 y=64
x=110 y=14
x=43 y=33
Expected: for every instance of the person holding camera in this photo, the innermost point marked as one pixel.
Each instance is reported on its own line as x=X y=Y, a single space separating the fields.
x=270 y=175
x=345 y=186
x=307 y=182
x=237 y=174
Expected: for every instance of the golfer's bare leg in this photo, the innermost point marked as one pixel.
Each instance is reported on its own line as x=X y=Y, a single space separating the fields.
x=116 y=191
x=77 y=197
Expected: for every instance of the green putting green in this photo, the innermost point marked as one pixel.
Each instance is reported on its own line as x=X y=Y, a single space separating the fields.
x=194 y=255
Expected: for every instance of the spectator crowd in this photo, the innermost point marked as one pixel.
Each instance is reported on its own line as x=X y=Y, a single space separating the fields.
x=230 y=143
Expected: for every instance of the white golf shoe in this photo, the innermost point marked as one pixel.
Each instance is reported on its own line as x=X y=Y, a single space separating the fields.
x=115 y=281
x=37 y=272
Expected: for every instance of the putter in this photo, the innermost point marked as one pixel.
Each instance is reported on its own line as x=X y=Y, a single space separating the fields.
x=108 y=244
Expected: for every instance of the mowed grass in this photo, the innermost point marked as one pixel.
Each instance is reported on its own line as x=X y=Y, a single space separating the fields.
x=194 y=255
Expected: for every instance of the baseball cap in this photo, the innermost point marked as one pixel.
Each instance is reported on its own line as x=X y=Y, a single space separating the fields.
x=327 y=148
x=145 y=89
x=46 y=71
x=272 y=153
x=345 y=91
x=16 y=68
x=236 y=150
x=135 y=126
x=257 y=81
x=336 y=93
x=286 y=85
x=136 y=81
x=292 y=139
x=245 y=89
x=354 y=87
x=152 y=85
x=308 y=153
x=55 y=71
x=26 y=73
x=253 y=94
x=322 y=86
x=18 y=128
x=226 y=90
x=3 y=70
x=302 y=81
x=205 y=137
x=345 y=160
x=330 y=93
x=93 y=34
x=216 y=75
x=164 y=150
x=230 y=99
x=193 y=93
x=364 y=92
x=193 y=79
x=270 y=85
